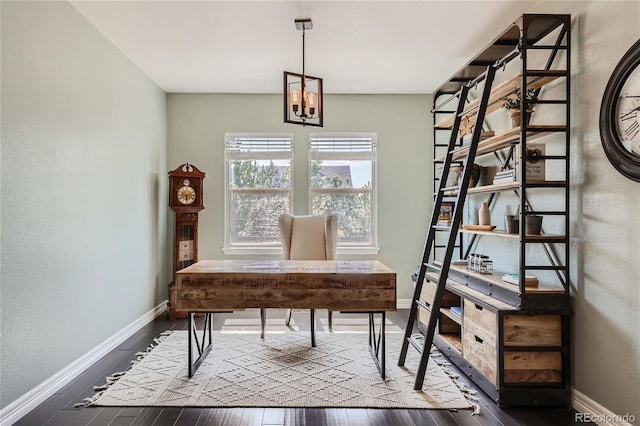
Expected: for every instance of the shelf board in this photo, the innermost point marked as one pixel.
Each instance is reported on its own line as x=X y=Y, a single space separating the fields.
x=453 y=340
x=453 y=317
x=495 y=98
x=505 y=140
x=496 y=279
x=506 y=186
x=532 y=237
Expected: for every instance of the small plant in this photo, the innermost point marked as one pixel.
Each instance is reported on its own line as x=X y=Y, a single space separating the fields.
x=514 y=101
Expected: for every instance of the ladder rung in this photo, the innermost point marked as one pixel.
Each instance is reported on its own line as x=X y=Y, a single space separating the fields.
x=423 y=305
x=546 y=47
x=415 y=344
x=545 y=268
x=433 y=267
x=547 y=129
x=549 y=212
x=545 y=73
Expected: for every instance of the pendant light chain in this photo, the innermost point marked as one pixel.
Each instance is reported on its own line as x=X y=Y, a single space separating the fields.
x=304 y=83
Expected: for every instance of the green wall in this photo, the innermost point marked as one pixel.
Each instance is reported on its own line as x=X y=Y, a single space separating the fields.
x=83 y=192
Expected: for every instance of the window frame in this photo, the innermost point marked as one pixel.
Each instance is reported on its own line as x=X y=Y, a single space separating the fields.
x=253 y=248
x=348 y=248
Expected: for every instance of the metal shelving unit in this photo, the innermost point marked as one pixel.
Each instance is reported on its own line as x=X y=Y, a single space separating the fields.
x=511 y=339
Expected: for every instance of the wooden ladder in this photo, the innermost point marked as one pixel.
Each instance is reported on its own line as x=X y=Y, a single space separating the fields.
x=443 y=269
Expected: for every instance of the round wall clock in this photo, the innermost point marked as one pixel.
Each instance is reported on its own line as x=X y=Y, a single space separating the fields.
x=620 y=115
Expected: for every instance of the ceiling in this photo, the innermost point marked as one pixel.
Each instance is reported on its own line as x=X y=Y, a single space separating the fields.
x=355 y=46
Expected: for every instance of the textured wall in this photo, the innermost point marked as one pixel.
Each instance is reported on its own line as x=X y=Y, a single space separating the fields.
x=83 y=184
x=604 y=215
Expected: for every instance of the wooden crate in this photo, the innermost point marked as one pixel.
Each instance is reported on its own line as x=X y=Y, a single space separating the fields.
x=481 y=354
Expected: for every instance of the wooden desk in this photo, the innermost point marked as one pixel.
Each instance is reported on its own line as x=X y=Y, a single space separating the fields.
x=339 y=285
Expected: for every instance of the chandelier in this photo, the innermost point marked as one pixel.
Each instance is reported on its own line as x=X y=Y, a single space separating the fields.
x=302 y=93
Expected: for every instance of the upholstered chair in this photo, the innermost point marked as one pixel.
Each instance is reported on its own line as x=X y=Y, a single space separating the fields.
x=307 y=238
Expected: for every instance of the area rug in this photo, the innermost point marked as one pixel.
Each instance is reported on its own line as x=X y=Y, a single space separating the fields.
x=282 y=370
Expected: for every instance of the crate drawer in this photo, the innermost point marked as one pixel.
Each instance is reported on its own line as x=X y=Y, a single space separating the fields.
x=480 y=321
x=481 y=354
x=533 y=367
x=526 y=330
x=429 y=290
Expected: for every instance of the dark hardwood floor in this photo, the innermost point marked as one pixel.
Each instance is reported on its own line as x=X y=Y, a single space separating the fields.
x=58 y=410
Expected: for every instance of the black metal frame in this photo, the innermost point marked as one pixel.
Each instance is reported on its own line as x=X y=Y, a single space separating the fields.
x=377 y=343
x=203 y=350
x=377 y=346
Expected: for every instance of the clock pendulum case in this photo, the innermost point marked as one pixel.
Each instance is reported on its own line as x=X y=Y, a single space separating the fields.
x=185 y=199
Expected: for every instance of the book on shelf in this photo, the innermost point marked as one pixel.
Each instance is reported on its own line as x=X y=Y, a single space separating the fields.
x=529 y=280
x=503 y=176
x=445 y=214
x=457 y=311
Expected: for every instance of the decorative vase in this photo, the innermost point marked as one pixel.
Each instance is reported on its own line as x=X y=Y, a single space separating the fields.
x=512 y=223
x=515 y=116
x=484 y=215
x=533 y=225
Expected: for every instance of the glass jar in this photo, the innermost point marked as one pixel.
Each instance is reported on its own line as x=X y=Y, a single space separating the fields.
x=486 y=267
x=471 y=261
x=480 y=259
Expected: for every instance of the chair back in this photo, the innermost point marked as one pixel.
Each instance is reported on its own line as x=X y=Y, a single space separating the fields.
x=309 y=237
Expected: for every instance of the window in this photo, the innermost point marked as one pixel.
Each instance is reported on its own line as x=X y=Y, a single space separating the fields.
x=342 y=170
x=258 y=176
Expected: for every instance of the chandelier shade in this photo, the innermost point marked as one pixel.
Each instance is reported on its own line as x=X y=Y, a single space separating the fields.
x=303 y=93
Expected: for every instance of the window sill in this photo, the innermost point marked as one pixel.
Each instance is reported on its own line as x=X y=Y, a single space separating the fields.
x=277 y=251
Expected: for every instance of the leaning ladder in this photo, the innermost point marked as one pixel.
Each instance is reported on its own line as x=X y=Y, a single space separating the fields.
x=443 y=269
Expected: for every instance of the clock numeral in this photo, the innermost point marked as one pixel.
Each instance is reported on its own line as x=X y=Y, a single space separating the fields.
x=632 y=130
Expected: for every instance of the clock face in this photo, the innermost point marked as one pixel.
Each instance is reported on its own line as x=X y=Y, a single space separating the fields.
x=186 y=195
x=628 y=113
x=620 y=115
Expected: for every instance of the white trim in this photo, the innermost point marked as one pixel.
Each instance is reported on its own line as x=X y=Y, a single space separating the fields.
x=403 y=304
x=597 y=413
x=23 y=405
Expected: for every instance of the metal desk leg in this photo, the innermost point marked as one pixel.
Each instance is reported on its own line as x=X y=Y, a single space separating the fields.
x=203 y=350
x=263 y=321
x=377 y=343
x=313 y=328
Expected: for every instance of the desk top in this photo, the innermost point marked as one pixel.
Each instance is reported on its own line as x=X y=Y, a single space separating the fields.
x=368 y=267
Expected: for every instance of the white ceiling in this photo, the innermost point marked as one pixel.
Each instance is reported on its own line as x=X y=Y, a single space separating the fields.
x=355 y=46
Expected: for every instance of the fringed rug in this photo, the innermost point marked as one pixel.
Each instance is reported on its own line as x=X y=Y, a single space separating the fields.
x=283 y=370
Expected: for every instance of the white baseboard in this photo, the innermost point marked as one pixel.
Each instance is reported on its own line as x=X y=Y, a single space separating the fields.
x=403 y=304
x=23 y=405
x=590 y=411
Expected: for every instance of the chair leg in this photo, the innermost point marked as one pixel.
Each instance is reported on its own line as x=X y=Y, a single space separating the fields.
x=263 y=321
x=289 y=311
x=330 y=322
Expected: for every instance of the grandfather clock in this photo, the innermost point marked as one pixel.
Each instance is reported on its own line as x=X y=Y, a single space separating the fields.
x=185 y=199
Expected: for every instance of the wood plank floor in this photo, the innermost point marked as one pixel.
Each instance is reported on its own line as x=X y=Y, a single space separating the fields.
x=58 y=409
